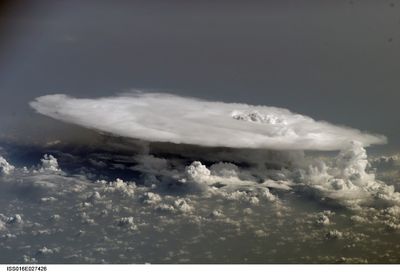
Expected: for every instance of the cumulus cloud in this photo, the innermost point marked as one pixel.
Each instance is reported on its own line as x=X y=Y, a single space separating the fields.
x=157 y=117
x=119 y=217
x=5 y=166
x=127 y=222
x=47 y=251
x=16 y=219
x=347 y=180
x=121 y=187
x=227 y=178
x=49 y=163
x=151 y=198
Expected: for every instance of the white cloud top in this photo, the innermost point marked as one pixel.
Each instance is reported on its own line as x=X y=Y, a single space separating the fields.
x=5 y=167
x=160 y=117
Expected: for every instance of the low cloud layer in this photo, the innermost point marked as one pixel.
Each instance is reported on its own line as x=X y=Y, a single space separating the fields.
x=159 y=117
x=176 y=207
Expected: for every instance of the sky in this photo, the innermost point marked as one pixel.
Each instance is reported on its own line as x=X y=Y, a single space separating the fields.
x=335 y=61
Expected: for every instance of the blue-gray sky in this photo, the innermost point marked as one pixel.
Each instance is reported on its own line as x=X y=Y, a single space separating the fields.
x=337 y=61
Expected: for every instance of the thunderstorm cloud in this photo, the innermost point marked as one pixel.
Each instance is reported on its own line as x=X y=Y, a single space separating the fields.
x=162 y=174
x=157 y=117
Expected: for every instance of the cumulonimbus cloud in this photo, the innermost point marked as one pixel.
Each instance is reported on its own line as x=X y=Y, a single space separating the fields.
x=158 y=117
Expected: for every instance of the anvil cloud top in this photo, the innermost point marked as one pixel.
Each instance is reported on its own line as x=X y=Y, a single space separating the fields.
x=161 y=117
